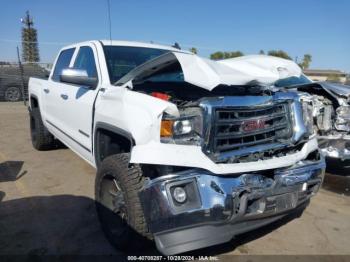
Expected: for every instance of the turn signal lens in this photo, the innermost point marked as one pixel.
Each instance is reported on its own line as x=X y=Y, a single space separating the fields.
x=166 y=128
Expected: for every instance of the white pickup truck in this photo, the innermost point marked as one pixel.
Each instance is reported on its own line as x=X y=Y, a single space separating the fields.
x=189 y=152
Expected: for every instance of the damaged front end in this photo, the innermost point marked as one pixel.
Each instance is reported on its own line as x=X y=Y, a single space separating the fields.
x=331 y=113
x=241 y=182
x=195 y=208
x=234 y=156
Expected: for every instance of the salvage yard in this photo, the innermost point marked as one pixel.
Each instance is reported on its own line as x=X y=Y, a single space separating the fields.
x=47 y=207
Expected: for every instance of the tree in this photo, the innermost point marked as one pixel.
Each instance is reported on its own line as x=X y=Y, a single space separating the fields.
x=217 y=55
x=306 y=61
x=224 y=55
x=30 y=51
x=261 y=52
x=194 y=50
x=279 y=53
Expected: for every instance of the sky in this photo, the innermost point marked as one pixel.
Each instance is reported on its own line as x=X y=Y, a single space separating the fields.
x=318 y=27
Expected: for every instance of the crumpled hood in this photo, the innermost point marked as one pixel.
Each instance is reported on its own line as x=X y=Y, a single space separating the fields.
x=337 y=89
x=208 y=74
x=334 y=89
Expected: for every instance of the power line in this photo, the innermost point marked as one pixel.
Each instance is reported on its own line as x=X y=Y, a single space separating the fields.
x=45 y=43
x=110 y=35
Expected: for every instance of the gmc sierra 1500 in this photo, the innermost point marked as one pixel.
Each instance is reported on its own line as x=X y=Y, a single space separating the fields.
x=189 y=152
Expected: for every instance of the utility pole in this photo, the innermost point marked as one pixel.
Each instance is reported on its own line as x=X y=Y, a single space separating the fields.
x=30 y=51
x=27 y=20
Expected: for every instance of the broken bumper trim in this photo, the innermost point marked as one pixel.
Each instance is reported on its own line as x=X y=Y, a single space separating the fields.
x=218 y=208
x=337 y=146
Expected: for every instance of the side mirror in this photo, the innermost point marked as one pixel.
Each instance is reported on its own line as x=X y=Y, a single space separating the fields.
x=78 y=77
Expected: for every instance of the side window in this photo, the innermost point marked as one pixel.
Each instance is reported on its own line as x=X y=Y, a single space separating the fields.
x=62 y=63
x=85 y=60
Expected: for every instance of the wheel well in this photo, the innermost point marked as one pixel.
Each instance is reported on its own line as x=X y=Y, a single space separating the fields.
x=34 y=102
x=109 y=142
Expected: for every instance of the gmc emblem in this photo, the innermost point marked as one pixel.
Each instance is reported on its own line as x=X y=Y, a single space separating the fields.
x=252 y=125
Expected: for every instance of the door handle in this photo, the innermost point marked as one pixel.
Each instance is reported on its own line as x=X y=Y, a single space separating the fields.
x=64 y=96
x=46 y=90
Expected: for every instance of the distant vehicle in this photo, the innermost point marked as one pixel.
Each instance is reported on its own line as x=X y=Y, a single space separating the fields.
x=189 y=152
x=11 y=80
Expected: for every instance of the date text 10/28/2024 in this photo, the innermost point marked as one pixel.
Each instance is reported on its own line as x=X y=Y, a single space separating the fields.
x=172 y=258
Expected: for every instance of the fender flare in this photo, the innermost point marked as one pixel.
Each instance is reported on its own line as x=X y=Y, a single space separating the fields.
x=116 y=130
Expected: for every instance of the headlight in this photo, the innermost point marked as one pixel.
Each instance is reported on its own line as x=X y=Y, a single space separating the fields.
x=173 y=128
x=308 y=116
x=187 y=129
x=343 y=112
x=342 y=121
x=182 y=127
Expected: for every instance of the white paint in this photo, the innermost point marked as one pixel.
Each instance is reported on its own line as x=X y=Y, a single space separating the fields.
x=192 y=156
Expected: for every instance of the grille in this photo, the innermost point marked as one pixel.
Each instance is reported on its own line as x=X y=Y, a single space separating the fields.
x=238 y=128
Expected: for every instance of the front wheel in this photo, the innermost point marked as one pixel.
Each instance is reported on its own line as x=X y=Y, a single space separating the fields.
x=118 y=204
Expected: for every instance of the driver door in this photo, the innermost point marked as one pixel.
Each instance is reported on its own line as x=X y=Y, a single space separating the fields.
x=78 y=101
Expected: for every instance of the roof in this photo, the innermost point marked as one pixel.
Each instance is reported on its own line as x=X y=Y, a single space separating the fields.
x=141 y=44
x=323 y=72
x=130 y=43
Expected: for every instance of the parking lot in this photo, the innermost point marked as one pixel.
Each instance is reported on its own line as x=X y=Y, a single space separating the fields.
x=47 y=207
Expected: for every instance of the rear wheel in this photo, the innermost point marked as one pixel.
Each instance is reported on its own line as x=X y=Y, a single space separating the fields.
x=12 y=94
x=41 y=137
x=118 y=204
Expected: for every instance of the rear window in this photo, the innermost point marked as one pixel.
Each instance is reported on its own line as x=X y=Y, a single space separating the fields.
x=62 y=63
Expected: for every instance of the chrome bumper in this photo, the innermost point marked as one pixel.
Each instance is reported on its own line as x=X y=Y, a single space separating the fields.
x=219 y=207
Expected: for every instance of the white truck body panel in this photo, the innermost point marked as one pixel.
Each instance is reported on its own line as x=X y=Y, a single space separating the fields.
x=258 y=69
x=140 y=114
x=193 y=156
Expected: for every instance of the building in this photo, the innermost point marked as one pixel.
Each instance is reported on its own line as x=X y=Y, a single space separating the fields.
x=327 y=75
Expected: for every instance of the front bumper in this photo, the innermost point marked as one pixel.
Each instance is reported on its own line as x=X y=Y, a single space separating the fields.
x=193 y=157
x=219 y=207
x=335 y=146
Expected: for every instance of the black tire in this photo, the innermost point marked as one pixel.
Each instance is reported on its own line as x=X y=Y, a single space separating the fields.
x=41 y=137
x=12 y=94
x=338 y=167
x=118 y=204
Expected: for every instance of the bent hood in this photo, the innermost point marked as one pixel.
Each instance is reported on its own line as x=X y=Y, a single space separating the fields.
x=335 y=88
x=338 y=91
x=208 y=74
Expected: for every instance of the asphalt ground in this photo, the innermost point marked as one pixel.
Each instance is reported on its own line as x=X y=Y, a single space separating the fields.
x=47 y=206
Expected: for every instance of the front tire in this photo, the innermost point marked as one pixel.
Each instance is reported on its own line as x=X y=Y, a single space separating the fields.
x=118 y=204
x=41 y=137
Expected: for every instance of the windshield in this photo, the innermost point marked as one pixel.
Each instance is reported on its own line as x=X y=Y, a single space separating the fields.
x=292 y=81
x=122 y=59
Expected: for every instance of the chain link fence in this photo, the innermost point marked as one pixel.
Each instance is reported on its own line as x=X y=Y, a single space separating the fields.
x=15 y=74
